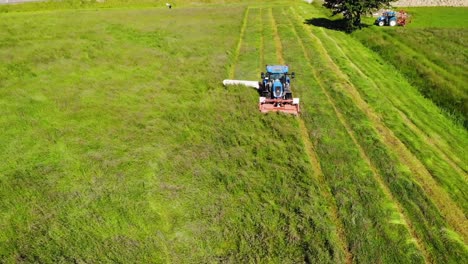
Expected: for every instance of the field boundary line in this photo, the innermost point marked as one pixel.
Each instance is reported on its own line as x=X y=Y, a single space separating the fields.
x=377 y=176
x=450 y=211
x=235 y=58
x=314 y=161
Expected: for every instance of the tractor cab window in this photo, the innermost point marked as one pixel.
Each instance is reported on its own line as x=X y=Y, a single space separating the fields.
x=274 y=76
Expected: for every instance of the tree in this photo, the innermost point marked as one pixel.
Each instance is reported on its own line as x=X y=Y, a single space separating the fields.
x=352 y=10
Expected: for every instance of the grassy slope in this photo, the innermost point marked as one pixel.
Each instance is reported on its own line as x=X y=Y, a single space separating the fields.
x=427 y=132
x=431 y=53
x=126 y=148
x=362 y=201
x=355 y=62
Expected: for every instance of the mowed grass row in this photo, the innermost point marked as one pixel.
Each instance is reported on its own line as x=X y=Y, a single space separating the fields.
x=372 y=224
x=433 y=138
x=248 y=62
x=436 y=140
x=437 y=70
x=269 y=48
x=272 y=50
x=430 y=53
x=443 y=243
x=446 y=164
x=292 y=222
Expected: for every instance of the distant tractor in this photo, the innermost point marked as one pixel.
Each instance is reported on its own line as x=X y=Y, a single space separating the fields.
x=388 y=18
x=392 y=18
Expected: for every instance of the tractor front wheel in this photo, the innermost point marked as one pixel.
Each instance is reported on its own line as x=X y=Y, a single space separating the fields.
x=381 y=23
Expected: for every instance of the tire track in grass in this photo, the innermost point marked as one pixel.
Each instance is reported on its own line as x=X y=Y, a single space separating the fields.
x=406 y=99
x=314 y=160
x=269 y=51
x=377 y=177
x=248 y=63
x=449 y=178
x=442 y=72
x=451 y=212
x=434 y=227
x=440 y=135
x=435 y=144
x=306 y=241
x=397 y=239
x=232 y=68
x=278 y=46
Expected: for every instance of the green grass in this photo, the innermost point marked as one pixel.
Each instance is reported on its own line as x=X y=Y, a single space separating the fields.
x=91 y=145
x=120 y=144
x=127 y=148
x=438 y=17
x=431 y=53
x=396 y=176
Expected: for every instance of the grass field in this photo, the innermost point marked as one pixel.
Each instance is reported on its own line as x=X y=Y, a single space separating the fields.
x=120 y=144
x=431 y=53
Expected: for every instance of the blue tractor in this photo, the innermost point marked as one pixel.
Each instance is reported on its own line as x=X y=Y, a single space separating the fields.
x=275 y=91
x=388 y=18
x=276 y=82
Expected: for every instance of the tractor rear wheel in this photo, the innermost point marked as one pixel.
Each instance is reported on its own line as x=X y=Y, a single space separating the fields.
x=393 y=23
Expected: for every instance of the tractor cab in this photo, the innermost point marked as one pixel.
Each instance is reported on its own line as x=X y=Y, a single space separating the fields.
x=275 y=91
x=276 y=81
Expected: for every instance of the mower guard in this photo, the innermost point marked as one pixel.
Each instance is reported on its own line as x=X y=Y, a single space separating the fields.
x=290 y=106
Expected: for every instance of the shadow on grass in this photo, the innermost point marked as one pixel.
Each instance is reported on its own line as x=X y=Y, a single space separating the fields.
x=337 y=24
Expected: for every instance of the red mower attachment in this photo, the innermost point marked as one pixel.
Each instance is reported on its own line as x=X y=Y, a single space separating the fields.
x=403 y=18
x=288 y=106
